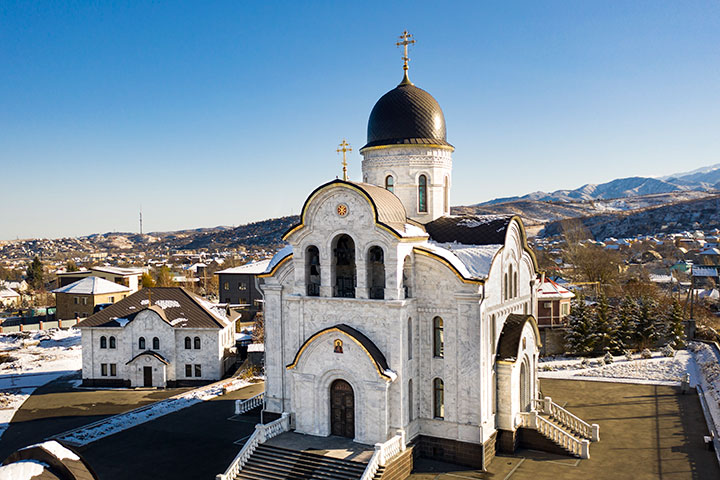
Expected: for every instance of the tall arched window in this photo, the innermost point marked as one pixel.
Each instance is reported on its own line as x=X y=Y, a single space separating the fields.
x=344 y=264
x=312 y=271
x=515 y=285
x=103 y=342
x=390 y=183
x=411 y=406
x=112 y=342
x=407 y=276
x=510 y=282
x=438 y=398
x=188 y=343
x=410 y=339
x=196 y=343
x=376 y=273
x=141 y=343
x=505 y=286
x=438 y=338
x=156 y=343
x=422 y=194
x=446 y=195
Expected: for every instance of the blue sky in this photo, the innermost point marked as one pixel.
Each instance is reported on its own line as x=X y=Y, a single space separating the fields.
x=220 y=113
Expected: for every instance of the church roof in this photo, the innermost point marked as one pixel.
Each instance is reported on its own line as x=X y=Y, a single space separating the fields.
x=509 y=342
x=178 y=307
x=470 y=229
x=406 y=115
x=388 y=208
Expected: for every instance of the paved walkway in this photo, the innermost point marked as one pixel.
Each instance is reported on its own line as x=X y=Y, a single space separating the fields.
x=646 y=432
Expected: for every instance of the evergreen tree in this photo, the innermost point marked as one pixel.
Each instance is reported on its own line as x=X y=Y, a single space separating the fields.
x=603 y=328
x=34 y=274
x=579 y=337
x=674 y=326
x=626 y=316
x=647 y=325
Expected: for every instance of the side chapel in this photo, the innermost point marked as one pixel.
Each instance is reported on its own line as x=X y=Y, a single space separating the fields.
x=386 y=314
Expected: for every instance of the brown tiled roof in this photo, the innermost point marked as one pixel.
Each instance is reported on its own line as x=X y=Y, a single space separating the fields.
x=469 y=229
x=165 y=300
x=509 y=342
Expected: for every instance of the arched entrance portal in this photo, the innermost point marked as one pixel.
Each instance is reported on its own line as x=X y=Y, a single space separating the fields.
x=342 y=409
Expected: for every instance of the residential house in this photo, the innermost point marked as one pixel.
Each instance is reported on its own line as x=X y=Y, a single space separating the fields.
x=78 y=299
x=129 y=277
x=237 y=286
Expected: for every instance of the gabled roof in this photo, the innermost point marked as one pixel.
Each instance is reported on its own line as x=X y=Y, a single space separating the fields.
x=8 y=293
x=175 y=305
x=550 y=290
x=92 y=286
x=150 y=353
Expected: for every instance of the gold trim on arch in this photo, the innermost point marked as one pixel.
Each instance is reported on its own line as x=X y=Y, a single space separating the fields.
x=337 y=330
x=274 y=270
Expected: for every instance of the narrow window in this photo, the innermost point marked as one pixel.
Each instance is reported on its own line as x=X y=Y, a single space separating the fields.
x=515 y=284
x=390 y=183
x=113 y=370
x=188 y=370
x=156 y=343
x=446 y=194
x=242 y=287
x=438 y=339
x=406 y=276
x=409 y=340
x=77 y=300
x=84 y=300
x=344 y=264
x=112 y=342
x=510 y=283
x=103 y=342
x=227 y=285
x=141 y=343
x=505 y=286
x=312 y=271
x=198 y=371
x=411 y=407
x=103 y=369
x=438 y=399
x=112 y=299
x=196 y=342
x=422 y=194
x=188 y=344
x=376 y=273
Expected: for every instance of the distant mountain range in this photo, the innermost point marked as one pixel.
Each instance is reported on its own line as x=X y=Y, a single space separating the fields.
x=704 y=179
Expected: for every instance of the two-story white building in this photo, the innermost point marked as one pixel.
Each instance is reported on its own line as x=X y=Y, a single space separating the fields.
x=157 y=337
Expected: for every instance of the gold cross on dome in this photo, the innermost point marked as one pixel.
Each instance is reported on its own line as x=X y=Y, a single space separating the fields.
x=407 y=39
x=344 y=147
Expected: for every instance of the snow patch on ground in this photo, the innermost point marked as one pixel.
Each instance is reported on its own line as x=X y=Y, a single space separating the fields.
x=32 y=359
x=124 y=421
x=657 y=370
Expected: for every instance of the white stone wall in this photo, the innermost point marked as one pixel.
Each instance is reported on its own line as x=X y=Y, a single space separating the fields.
x=406 y=163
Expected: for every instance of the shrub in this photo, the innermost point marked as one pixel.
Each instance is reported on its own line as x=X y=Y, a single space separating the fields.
x=608 y=358
x=668 y=351
x=646 y=353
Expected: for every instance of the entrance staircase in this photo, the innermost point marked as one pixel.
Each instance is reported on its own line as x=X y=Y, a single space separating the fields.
x=271 y=463
x=558 y=425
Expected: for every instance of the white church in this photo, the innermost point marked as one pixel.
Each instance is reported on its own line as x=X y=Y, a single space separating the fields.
x=386 y=315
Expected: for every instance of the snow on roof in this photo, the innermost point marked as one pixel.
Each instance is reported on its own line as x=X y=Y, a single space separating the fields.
x=661 y=278
x=253 y=268
x=279 y=256
x=414 y=231
x=472 y=261
x=92 y=286
x=256 y=347
x=22 y=470
x=8 y=292
x=56 y=449
x=119 y=270
x=702 y=271
x=551 y=290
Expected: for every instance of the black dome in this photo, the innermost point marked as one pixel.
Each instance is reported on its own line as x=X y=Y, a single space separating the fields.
x=406 y=115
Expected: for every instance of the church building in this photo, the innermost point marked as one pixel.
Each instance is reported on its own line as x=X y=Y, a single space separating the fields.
x=386 y=315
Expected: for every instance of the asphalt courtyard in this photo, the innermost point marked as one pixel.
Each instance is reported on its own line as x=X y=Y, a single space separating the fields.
x=194 y=443
x=646 y=432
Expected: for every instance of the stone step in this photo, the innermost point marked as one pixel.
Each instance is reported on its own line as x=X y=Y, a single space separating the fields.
x=275 y=463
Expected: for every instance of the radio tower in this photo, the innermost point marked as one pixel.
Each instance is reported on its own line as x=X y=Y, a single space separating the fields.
x=140 y=220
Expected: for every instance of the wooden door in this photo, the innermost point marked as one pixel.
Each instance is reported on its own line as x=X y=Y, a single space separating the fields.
x=342 y=409
x=147 y=376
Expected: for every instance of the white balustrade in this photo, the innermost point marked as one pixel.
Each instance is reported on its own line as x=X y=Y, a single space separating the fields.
x=261 y=434
x=384 y=452
x=242 y=406
x=574 y=423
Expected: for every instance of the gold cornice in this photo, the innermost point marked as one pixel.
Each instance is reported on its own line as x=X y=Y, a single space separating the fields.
x=401 y=145
x=275 y=268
